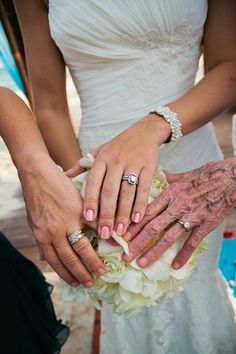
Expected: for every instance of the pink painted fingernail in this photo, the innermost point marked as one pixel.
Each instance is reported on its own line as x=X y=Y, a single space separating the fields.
x=88 y=284
x=119 y=228
x=176 y=265
x=105 y=232
x=101 y=271
x=137 y=217
x=128 y=257
x=89 y=215
x=142 y=262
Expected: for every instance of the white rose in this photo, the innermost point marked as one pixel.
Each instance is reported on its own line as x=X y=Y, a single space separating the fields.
x=132 y=280
x=115 y=269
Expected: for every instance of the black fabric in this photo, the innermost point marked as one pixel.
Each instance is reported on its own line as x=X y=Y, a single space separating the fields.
x=28 y=324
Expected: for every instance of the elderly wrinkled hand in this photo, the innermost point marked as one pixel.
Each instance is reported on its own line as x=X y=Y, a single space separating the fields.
x=196 y=201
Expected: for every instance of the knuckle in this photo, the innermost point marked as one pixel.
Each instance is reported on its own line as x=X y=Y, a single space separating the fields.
x=169 y=238
x=56 y=265
x=69 y=260
x=144 y=187
x=40 y=238
x=123 y=215
x=82 y=247
x=108 y=190
x=137 y=245
x=106 y=215
x=141 y=204
x=52 y=227
x=126 y=189
x=91 y=182
x=153 y=228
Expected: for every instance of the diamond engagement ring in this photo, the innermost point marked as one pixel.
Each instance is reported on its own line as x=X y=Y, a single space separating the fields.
x=132 y=178
x=76 y=236
x=186 y=225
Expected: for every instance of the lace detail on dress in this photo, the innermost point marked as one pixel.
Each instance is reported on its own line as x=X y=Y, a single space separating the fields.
x=180 y=48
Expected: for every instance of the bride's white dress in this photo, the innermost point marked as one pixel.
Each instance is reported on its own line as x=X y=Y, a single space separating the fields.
x=126 y=57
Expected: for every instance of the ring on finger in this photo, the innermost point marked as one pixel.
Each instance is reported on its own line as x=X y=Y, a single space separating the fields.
x=76 y=236
x=186 y=225
x=131 y=178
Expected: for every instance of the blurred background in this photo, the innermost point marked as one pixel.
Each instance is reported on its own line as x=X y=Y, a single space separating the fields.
x=82 y=319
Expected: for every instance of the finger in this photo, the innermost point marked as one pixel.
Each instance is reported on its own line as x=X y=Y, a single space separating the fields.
x=92 y=190
x=40 y=250
x=166 y=241
x=188 y=248
x=71 y=261
x=125 y=203
x=108 y=202
x=142 y=195
x=89 y=257
x=53 y=260
x=75 y=170
x=150 y=233
x=153 y=210
x=177 y=177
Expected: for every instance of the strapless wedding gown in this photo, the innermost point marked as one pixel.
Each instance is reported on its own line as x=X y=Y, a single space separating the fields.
x=126 y=57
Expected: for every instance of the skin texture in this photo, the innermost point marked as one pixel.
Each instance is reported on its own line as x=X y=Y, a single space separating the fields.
x=46 y=70
x=53 y=204
x=120 y=202
x=203 y=197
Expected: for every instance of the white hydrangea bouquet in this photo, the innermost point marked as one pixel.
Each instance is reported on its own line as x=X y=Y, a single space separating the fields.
x=125 y=286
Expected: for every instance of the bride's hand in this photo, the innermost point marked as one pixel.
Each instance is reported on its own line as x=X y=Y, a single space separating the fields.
x=200 y=198
x=53 y=208
x=135 y=150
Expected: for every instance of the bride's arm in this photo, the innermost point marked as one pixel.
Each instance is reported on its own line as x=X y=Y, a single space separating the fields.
x=136 y=149
x=47 y=75
x=216 y=92
x=53 y=204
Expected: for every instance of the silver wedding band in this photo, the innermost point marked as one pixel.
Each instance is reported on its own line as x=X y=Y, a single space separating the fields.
x=132 y=178
x=186 y=225
x=76 y=236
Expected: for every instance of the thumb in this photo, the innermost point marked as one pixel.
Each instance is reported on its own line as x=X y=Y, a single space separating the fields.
x=75 y=170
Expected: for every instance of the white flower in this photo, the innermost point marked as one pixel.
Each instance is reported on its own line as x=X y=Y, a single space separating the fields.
x=128 y=287
x=132 y=280
x=115 y=269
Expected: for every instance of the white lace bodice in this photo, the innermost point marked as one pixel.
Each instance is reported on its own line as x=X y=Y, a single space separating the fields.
x=126 y=57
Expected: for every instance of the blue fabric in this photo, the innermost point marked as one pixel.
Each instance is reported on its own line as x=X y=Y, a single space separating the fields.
x=227 y=262
x=8 y=60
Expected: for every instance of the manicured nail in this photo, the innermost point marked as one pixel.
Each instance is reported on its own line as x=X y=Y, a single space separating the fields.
x=88 y=284
x=105 y=232
x=128 y=257
x=176 y=265
x=101 y=271
x=137 y=217
x=75 y=284
x=89 y=215
x=119 y=228
x=142 y=262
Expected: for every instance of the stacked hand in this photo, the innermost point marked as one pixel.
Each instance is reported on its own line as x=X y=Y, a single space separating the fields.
x=111 y=201
x=54 y=208
x=199 y=199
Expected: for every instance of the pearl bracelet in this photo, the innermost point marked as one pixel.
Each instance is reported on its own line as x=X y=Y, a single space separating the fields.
x=171 y=118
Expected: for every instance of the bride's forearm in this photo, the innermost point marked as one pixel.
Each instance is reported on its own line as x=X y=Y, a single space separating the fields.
x=19 y=131
x=215 y=93
x=59 y=137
